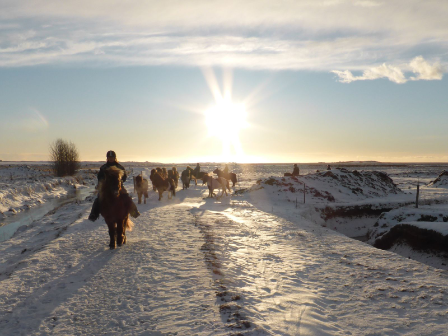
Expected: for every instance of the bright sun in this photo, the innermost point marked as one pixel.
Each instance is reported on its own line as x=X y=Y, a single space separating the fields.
x=228 y=113
x=225 y=120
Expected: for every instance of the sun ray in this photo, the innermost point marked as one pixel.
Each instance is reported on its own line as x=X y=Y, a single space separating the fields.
x=227 y=79
x=212 y=83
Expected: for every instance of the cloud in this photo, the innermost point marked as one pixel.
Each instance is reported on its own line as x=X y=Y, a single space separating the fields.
x=426 y=71
x=264 y=34
x=423 y=69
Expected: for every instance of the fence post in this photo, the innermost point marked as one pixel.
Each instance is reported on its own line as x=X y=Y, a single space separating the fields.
x=304 y=193
x=418 y=192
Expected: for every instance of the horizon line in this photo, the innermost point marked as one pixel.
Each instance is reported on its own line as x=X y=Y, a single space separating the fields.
x=246 y=163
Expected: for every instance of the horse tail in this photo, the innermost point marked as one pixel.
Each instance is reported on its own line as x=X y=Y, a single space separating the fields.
x=129 y=224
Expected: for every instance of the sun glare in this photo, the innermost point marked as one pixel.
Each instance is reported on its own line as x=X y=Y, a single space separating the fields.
x=233 y=116
x=225 y=120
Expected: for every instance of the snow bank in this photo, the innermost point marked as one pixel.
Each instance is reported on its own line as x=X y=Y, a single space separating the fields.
x=431 y=218
x=343 y=200
x=414 y=233
x=25 y=186
x=338 y=185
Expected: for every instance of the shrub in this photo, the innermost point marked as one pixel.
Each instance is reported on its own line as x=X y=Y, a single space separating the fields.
x=64 y=157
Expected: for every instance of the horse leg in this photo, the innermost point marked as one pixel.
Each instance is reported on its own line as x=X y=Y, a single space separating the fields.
x=112 y=235
x=121 y=231
x=144 y=200
x=160 y=194
x=139 y=198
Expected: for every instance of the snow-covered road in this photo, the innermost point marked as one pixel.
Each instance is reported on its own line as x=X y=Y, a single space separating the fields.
x=195 y=266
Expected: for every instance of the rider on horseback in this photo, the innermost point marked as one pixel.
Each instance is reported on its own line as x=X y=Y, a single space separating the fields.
x=296 y=171
x=111 y=161
x=197 y=170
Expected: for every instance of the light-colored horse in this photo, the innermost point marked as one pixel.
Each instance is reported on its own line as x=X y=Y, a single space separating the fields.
x=219 y=183
x=141 y=187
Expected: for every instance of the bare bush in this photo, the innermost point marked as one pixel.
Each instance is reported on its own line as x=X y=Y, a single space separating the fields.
x=65 y=158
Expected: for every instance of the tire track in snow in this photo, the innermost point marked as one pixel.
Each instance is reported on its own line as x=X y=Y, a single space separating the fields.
x=266 y=271
x=227 y=300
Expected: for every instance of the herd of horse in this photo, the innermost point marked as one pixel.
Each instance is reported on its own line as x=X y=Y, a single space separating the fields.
x=116 y=203
x=167 y=180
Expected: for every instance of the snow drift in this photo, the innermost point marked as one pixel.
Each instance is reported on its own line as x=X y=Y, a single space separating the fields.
x=441 y=180
x=339 y=185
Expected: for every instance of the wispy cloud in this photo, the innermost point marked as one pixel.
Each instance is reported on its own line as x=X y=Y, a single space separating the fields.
x=419 y=66
x=265 y=34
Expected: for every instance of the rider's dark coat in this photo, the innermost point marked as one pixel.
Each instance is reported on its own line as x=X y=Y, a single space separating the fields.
x=197 y=170
x=102 y=175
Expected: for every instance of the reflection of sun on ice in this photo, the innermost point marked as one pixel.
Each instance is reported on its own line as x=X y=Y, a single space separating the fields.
x=225 y=120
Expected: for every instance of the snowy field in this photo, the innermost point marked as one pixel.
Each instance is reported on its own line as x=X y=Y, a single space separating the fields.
x=264 y=260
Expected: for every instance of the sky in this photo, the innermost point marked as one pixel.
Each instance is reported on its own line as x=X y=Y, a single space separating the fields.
x=225 y=81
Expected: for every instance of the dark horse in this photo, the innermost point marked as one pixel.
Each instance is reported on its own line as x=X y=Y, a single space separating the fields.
x=185 y=177
x=162 y=185
x=141 y=186
x=173 y=174
x=153 y=171
x=228 y=176
x=115 y=205
x=194 y=177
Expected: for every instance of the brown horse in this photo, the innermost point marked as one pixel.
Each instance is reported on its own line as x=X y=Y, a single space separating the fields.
x=173 y=174
x=141 y=186
x=165 y=173
x=162 y=185
x=228 y=176
x=153 y=171
x=115 y=205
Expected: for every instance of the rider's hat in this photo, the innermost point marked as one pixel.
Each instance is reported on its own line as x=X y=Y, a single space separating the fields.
x=111 y=154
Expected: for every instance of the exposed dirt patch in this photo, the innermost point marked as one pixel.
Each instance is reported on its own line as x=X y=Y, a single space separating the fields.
x=418 y=238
